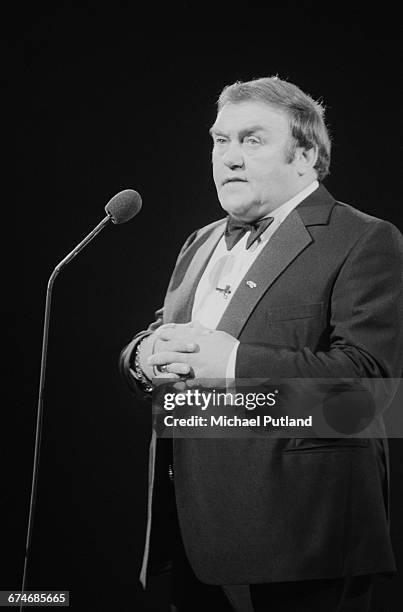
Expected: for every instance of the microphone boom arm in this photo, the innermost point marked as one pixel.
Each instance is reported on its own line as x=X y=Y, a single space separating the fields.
x=41 y=393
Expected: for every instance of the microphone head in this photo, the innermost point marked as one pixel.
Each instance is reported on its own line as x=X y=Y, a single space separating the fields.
x=124 y=206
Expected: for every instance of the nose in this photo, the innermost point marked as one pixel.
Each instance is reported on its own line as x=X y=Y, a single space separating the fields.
x=233 y=157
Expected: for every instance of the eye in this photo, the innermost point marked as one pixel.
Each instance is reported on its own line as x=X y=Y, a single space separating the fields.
x=219 y=140
x=251 y=141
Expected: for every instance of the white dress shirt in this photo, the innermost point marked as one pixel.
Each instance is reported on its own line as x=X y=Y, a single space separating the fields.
x=226 y=269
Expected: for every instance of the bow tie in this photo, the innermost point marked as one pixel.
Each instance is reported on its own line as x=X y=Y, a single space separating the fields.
x=234 y=230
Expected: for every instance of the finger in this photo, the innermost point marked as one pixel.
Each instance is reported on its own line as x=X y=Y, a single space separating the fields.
x=207 y=383
x=167 y=375
x=180 y=386
x=179 y=346
x=166 y=326
x=164 y=333
x=177 y=333
x=178 y=368
x=166 y=357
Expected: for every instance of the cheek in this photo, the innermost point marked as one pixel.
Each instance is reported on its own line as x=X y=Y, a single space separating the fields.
x=264 y=178
x=216 y=163
x=218 y=170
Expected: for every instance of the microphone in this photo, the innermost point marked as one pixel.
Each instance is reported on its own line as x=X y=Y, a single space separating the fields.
x=121 y=208
x=124 y=206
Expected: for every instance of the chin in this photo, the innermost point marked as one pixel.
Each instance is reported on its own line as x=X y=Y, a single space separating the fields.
x=236 y=208
x=234 y=204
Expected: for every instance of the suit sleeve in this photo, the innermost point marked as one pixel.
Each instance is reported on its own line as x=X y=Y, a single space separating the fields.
x=366 y=334
x=127 y=354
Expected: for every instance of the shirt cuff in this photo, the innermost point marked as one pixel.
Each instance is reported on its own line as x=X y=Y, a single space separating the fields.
x=230 y=372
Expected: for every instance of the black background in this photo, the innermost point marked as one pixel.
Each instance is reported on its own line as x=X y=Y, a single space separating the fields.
x=105 y=97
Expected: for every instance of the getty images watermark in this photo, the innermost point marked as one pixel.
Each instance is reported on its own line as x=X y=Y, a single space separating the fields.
x=324 y=408
x=206 y=400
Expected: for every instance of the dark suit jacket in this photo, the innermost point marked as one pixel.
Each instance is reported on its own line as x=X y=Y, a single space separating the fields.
x=327 y=304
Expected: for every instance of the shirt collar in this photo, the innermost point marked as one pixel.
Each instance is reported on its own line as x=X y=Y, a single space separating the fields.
x=280 y=213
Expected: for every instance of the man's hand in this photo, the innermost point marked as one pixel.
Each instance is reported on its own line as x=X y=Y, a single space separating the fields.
x=192 y=349
x=181 y=343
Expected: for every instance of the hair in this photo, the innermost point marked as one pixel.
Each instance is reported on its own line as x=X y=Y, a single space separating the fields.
x=306 y=116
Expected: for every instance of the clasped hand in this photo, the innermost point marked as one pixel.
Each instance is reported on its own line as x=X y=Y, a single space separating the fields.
x=190 y=350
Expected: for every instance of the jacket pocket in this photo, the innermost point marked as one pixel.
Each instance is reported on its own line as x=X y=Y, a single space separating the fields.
x=295 y=325
x=312 y=445
x=290 y=312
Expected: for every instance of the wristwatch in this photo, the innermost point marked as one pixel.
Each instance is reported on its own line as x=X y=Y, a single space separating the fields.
x=142 y=379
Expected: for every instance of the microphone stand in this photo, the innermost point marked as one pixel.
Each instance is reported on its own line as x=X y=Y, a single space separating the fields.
x=39 y=414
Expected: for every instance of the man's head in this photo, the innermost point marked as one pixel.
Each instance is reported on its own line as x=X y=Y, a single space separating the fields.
x=270 y=142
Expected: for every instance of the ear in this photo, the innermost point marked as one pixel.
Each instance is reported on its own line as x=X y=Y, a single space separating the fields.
x=305 y=159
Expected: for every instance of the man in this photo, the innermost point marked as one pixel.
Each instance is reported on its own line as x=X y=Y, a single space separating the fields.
x=292 y=284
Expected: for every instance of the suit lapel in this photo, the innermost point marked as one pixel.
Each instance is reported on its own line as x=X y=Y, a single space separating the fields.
x=179 y=302
x=283 y=247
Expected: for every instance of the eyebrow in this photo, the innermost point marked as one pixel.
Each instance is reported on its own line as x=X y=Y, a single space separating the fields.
x=242 y=133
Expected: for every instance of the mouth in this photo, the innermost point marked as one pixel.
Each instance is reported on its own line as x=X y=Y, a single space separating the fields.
x=233 y=180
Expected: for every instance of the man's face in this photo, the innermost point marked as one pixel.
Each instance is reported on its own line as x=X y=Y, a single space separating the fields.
x=250 y=170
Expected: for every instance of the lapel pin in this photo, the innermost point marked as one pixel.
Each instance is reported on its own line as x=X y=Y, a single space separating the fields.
x=251 y=284
x=224 y=292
